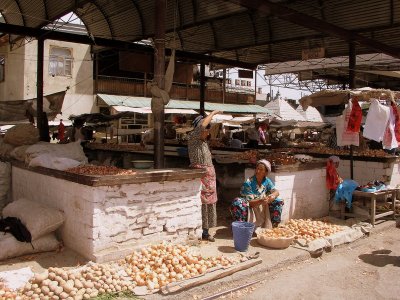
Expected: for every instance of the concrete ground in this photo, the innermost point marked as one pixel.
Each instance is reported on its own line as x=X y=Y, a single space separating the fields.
x=274 y=261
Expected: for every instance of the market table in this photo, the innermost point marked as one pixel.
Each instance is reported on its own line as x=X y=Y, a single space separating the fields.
x=372 y=196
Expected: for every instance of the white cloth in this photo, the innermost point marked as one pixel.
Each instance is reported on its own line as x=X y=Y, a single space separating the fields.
x=260 y=216
x=376 y=121
x=389 y=140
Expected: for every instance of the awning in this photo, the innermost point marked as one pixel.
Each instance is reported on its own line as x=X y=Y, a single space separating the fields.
x=147 y=110
x=117 y=100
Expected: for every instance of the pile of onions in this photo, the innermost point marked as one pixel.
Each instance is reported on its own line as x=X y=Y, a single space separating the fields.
x=85 y=283
x=276 y=233
x=152 y=267
x=160 y=264
x=310 y=229
x=6 y=293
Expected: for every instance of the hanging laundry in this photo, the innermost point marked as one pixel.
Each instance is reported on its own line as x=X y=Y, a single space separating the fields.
x=389 y=139
x=396 y=121
x=376 y=121
x=345 y=137
x=355 y=119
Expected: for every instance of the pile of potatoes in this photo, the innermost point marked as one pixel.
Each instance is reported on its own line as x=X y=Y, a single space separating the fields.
x=85 y=283
x=6 y=293
x=158 y=265
x=151 y=267
x=311 y=229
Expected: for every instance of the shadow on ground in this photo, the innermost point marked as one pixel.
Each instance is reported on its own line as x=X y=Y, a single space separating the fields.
x=380 y=258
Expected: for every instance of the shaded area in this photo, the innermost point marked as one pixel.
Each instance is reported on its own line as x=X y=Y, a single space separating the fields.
x=380 y=258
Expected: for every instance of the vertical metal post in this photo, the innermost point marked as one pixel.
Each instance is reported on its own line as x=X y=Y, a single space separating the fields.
x=352 y=85
x=202 y=87
x=39 y=88
x=223 y=85
x=157 y=104
x=255 y=86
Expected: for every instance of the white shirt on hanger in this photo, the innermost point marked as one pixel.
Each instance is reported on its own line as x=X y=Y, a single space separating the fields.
x=376 y=121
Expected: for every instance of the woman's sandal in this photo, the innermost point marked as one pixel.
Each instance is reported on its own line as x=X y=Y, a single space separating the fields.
x=209 y=238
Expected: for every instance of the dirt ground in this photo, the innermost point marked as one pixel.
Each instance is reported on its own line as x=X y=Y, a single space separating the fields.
x=366 y=269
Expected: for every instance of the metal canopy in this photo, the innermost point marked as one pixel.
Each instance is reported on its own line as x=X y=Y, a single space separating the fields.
x=250 y=31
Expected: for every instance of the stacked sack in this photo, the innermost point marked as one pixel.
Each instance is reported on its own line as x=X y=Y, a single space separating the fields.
x=40 y=220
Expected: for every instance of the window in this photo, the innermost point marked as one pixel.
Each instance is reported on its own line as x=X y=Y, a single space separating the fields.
x=237 y=81
x=248 y=83
x=243 y=82
x=2 y=68
x=60 y=61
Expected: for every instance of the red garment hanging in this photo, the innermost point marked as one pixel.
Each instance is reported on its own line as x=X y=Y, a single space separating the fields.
x=332 y=176
x=355 y=119
x=396 y=122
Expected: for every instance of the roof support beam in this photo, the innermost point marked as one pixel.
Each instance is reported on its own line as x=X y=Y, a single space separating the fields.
x=295 y=17
x=123 y=45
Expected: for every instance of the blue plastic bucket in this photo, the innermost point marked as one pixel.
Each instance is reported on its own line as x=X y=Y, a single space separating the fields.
x=242 y=233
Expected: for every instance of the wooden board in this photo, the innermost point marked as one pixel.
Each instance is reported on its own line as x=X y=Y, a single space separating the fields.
x=208 y=277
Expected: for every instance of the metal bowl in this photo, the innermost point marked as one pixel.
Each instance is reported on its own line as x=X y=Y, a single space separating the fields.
x=142 y=164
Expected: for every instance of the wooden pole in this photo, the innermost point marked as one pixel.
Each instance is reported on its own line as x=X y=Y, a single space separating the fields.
x=157 y=104
x=39 y=89
x=202 y=87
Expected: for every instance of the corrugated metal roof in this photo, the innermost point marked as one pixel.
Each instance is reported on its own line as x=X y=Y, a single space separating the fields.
x=117 y=100
x=229 y=28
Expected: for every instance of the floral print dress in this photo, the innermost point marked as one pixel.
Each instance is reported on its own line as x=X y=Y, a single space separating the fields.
x=252 y=191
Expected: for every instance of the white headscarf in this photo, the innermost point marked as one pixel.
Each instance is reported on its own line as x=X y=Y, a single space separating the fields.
x=266 y=163
x=334 y=159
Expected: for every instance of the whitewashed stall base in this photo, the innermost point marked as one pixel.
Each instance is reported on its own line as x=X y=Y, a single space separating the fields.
x=366 y=171
x=107 y=222
x=304 y=192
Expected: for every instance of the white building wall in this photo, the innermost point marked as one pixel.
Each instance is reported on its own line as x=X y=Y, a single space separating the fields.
x=21 y=70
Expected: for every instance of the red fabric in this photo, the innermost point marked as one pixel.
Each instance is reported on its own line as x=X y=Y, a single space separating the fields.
x=396 y=122
x=355 y=117
x=61 y=131
x=332 y=176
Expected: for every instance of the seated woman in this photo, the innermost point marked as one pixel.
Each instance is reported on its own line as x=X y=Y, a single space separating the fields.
x=258 y=192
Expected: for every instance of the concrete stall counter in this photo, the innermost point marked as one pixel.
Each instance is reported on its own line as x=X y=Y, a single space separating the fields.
x=109 y=216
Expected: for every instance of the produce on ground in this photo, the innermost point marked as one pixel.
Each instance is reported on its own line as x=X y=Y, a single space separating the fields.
x=311 y=229
x=158 y=265
x=6 y=293
x=153 y=267
x=99 y=170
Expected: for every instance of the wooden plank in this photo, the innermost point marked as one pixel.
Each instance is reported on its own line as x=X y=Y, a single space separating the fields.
x=218 y=274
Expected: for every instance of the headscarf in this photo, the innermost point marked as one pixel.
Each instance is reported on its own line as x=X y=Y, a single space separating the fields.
x=196 y=122
x=266 y=163
x=334 y=159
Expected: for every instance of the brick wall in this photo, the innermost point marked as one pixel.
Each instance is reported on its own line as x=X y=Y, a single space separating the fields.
x=107 y=222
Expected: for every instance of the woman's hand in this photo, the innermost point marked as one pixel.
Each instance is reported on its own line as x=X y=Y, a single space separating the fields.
x=267 y=200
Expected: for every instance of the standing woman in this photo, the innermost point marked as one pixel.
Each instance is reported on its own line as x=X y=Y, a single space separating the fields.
x=200 y=158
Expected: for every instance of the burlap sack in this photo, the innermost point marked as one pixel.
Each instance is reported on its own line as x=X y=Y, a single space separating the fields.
x=22 y=134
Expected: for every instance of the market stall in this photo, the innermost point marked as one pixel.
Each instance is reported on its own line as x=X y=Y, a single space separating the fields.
x=106 y=216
